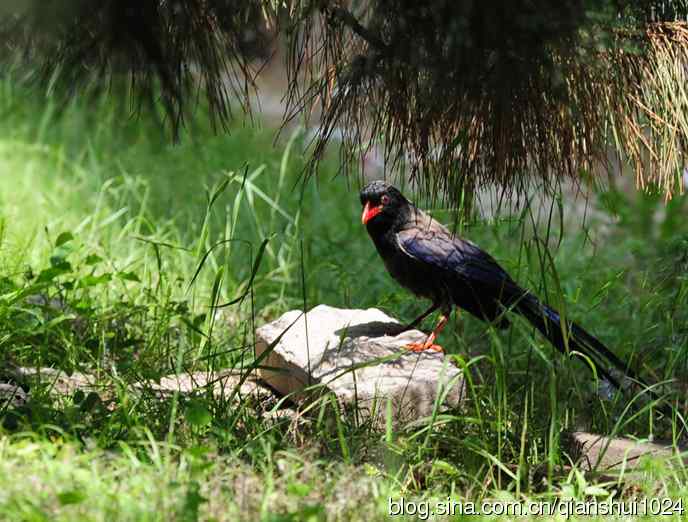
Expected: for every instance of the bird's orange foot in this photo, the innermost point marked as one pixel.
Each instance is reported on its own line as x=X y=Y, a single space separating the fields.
x=422 y=347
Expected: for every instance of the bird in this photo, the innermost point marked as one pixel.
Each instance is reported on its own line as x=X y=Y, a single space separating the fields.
x=424 y=257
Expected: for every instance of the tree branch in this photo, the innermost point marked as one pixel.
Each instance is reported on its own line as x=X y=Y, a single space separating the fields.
x=348 y=19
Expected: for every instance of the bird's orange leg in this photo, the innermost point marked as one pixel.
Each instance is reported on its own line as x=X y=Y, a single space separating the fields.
x=420 y=318
x=429 y=343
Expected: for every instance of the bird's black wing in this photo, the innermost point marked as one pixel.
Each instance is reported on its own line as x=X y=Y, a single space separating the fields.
x=435 y=246
x=472 y=277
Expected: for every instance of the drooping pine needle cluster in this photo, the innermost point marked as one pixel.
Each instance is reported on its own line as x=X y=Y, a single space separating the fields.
x=462 y=94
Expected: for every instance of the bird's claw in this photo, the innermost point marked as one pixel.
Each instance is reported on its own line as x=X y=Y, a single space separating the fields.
x=422 y=347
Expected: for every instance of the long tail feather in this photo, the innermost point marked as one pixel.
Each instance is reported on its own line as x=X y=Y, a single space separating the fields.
x=608 y=365
x=572 y=337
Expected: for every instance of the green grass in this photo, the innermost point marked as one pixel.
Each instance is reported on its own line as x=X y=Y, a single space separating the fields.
x=137 y=238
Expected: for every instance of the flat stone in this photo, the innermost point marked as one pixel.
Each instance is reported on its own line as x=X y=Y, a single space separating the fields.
x=59 y=382
x=609 y=454
x=358 y=355
x=222 y=383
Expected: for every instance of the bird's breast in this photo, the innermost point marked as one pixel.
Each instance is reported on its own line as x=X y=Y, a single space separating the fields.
x=410 y=273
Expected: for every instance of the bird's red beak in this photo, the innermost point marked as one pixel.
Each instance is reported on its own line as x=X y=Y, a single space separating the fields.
x=370 y=212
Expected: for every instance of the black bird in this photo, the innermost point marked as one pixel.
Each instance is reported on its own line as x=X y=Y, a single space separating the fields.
x=426 y=258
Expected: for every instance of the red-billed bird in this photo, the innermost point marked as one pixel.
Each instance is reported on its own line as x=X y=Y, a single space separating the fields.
x=426 y=258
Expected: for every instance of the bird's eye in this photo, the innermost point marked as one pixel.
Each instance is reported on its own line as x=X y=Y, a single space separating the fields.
x=384 y=200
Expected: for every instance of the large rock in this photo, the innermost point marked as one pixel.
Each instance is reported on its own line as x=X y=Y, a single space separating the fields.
x=359 y=355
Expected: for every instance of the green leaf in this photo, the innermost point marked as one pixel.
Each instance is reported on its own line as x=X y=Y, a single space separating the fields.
x=203 y=259
x=299 y=489
x=49 y=274
x=92 y=259
x=128 y=276
x=64 y=237
x=91 y=280
x=198 y=452
x=192 y=501
x=198 y=415
x=59 y=262
x=70 y=497
x=256 y=266
x=217 y=190
x=444 y=467
x=311 y=513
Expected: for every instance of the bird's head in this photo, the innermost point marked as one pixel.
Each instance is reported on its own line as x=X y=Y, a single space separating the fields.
x=383 y=205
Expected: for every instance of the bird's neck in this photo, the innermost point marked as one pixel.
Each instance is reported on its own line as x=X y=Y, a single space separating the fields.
x=383 y=240
x=382 y=232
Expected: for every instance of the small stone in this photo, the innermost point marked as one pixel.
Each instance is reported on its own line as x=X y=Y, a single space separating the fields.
x=360 y=356
x=12 y=395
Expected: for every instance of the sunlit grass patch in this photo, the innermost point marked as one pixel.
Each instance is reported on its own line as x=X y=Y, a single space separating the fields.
x=116 y=248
